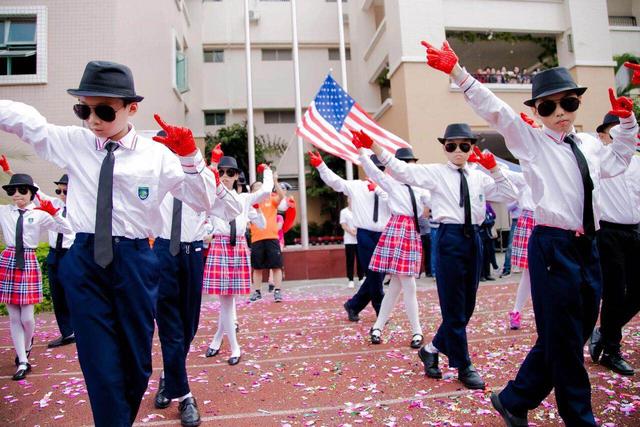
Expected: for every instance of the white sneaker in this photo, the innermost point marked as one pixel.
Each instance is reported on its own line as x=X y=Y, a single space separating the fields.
x=350 y=284
x=362 y=280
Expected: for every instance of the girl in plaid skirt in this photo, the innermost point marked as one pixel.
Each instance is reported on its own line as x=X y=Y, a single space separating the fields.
x=20 y=277
x=399 y=250
x=227 y=270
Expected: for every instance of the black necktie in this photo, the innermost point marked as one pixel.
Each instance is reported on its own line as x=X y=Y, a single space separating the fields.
x=176 y=228
x=465 y=202
x=376 y=203
x=232 y=232
x=588 y=222
x=414 y=205
x=19 y=241
x=102 y=246
x=60 y=235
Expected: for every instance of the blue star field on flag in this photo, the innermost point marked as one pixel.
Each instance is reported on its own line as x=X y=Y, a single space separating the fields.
x=333 y=103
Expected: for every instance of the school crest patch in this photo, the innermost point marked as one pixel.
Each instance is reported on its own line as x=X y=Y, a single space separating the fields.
x=481 y=197
x=30 y=220
x=143 y=193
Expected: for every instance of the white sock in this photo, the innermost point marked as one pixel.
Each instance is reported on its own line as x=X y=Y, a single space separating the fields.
x=227 y=302
x=235 y=314
x=388 y=302
x=162 y=374
x=524 y=290
x=181 y=398
x=409 y=294
x=431 y=348
x=216 y=341
x=17 y=332
x=28 y=320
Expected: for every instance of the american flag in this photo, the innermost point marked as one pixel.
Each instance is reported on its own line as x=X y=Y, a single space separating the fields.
x=332 y=116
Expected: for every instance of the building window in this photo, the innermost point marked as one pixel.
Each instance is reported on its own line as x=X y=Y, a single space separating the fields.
x=18 y=46
x=213 y=55
x=279 y=116
x=334 y=54
x=276 y=54
x=215 y=118
x=182 y=80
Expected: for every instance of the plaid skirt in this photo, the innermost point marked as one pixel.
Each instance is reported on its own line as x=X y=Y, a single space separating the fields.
x=521 y=239
x=227 y=270
x=20 y=286
x=399 y=250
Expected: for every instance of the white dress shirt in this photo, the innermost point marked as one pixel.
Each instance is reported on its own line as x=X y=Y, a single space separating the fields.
x=399 y=198
x=443 y=181
x=346 y=217
x=33 y=222
x=67 y=238
x=620 y=196
x=525 y=200
x=362 y=200
x=144 y=172
x=548 y=164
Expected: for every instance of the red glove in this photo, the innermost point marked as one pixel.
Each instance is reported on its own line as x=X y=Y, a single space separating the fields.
x=635 y=78
x=47 y=206
x=289 y=215
x=216 y=154
x=361 y=139
x=486 y=158
x=472 y=158
x=179 y=140
x=528 y=120
x=621 y=107
x=256 y=206
x=443 y=59
x=315 y=159
x=4 y=163
x=262 y=167
x=372 y=185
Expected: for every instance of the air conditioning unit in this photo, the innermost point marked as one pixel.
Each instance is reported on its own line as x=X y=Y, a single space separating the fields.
x=254 y=16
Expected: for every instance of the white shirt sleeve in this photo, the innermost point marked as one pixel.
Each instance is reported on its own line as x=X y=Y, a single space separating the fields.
x=333 y=180
x=424 y=176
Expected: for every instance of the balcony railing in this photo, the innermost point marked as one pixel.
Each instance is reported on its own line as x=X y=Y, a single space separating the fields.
x=623 y=21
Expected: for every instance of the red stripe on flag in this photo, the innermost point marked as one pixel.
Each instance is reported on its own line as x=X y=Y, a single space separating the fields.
x=330 y=132
x=386 y=133
x=321 y=140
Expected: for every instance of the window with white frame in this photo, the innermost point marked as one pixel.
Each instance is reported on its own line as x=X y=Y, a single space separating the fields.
x=276 y=54
x=279 y=116
x=18 y=46
x=216 y=55
x=182 y=80
x=215 y=118
x=334 y=54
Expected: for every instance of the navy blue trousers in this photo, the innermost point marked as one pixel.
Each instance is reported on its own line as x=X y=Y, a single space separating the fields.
x=566 y=286
x=60 y=306
x=179 y=298
x=112 y=312
x=371 y=289
x=459 y=261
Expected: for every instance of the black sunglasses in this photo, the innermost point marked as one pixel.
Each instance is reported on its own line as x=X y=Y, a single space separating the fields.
x=568 y=104
x=12 y=190
x=465 y=147
x=229 y=172
x=104 y=112
x=59 y=191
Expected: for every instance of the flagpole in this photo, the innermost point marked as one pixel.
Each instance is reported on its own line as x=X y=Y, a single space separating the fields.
x=250 y=136
x=343 y=66
x=302 y=186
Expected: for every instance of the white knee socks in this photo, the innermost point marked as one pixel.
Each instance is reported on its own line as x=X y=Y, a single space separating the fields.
x=406 y=284
x=226 y=325
x=524 y=291
x=22 y=325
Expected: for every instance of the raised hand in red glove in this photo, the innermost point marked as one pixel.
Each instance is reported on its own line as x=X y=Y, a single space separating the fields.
x=486 y=159
x=621 y=107
x=47 y=206
x=372 y=185
x=179 y=139
x=443 y=59
x=256 y=206
x=262 y=167
x=472 y=158
x=216 y=154
x=528 y=120
x=315 y=159
x=635 y=78
x=4 y=163
x=361 y=139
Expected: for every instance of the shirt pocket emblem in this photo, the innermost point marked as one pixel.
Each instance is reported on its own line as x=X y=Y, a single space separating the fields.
x=143 y=193
x=30 y=220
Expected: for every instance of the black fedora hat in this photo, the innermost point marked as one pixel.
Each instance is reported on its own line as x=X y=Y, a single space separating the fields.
x=553 y=80
x=108 y=79
x=458 y=131
x=376 y=161
x=228 y=162
x=609 y=119
x=64 y=180
x=21 y=180
x=405 y=154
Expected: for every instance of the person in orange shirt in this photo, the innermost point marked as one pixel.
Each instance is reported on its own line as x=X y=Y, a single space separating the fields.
x=266 y=253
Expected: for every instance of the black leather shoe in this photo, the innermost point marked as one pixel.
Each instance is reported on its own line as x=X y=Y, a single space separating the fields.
x=510 y=420
x=17 y=360
x=21 y=373
x=212 y=352
x=234 y=360
x=62 y=341
x=430 y=362
x=161 y=401
x=595 y=345
x=470 y=378
x=617 y=364
x=375 y=338
x=189 y=415
x=490 y=278
x=353 y=316
x=416 y=341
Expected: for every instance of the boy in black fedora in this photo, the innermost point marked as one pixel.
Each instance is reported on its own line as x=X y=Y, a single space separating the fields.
x=119 y=179
x=563 y=169
x=618 y=242
x=458 y=202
